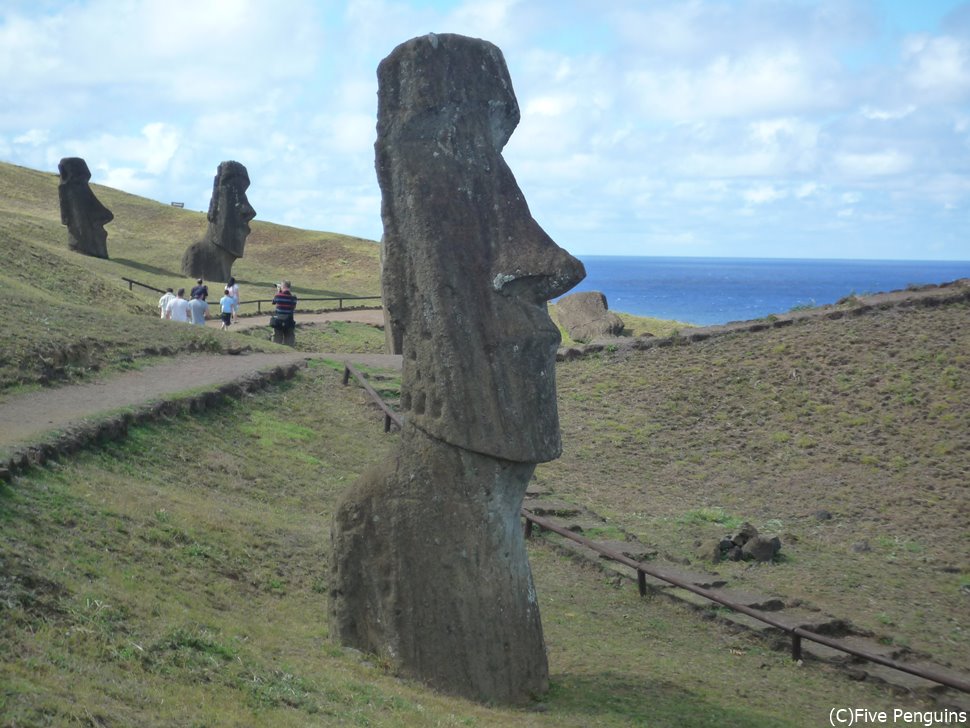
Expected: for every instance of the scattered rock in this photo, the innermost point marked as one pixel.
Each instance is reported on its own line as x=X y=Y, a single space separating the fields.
x=861 y=547
x=760 y=548
x=709 y=551
x=744 y=534
x=746 y=544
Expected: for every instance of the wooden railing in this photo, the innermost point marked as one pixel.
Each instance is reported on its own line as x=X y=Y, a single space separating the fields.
x=642 y=569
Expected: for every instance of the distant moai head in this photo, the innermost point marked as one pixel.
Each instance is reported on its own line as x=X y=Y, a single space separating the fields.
x=229 y=209
x=81 y=211
x=467 y=271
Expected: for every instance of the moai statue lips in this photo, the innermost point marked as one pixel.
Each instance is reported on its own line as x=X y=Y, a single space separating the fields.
x=81 y=211
x=467 y=270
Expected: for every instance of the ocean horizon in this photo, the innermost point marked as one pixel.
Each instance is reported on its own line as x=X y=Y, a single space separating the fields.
x=708 y=291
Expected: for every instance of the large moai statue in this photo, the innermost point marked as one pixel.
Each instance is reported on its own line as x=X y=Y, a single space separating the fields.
x=229 y=216
x=81 y=211
x=430 y=567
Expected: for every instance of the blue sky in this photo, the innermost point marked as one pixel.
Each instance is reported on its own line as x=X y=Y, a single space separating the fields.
x=762 y=128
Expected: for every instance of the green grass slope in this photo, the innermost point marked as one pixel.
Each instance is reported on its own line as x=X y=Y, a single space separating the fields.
x=180 y=578
x=67 y=314
x=847 y=438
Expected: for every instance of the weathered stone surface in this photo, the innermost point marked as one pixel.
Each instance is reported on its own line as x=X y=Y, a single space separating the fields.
x=229 y=216
x=760 y=548
x=81 y=211
x=431 y=571
x=467 y=271
x=430 y=567
x=585 y=316
x=709 y=550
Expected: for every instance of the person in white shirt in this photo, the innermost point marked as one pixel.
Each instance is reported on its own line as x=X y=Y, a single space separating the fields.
x=178 y=307
x=164 y=301
x=233 y=289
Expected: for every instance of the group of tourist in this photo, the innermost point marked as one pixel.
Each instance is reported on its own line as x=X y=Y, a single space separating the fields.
x=175 y=306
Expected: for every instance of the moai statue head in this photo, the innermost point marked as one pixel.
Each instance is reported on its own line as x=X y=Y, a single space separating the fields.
x=229 y=210
x=81 y=211
x=467 y=271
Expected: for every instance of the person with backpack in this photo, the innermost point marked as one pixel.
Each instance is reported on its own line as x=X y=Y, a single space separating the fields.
x=283 y=323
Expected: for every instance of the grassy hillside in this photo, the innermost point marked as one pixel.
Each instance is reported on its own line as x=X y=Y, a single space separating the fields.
x=847 y=438
x=68 y=314
x=180 y=578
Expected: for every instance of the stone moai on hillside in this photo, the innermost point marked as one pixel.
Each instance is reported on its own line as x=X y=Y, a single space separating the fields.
x=430 y=567
x=81 y=211
x=229 y=216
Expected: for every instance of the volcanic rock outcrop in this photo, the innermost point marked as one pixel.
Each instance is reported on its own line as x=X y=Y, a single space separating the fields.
x=585 y=316
x=430 y=567
x=229 y=216
x=81 y=211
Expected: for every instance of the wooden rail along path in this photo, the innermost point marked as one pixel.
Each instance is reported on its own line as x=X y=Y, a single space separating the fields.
x=260 y=301
x=797 y=634
x=389 y=414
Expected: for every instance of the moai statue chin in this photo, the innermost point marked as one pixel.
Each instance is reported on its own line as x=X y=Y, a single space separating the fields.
x=430 y=567
x=81 y=211
x=229 y=216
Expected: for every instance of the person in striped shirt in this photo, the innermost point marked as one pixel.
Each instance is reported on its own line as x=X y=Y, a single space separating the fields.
x=284 y=326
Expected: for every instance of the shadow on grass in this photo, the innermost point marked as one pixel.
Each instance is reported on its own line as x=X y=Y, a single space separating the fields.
x=154 y=270
x=6 y=502
x=614 y=699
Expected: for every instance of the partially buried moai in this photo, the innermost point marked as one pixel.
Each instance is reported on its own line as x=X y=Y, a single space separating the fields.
x=81 y=211
x=430 y=567
x=229 y=216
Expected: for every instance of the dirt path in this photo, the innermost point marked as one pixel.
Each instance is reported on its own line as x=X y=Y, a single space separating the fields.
x=25 y=418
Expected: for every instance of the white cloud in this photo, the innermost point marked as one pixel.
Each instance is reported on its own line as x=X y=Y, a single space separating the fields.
x=150 y=152
x=666 y=122
x=874 y=164
x=939 y=66
x=32 y=137
x=763 y=194
x=730 y=86
x=125 y=178
x=551 y=105
x=887 y=114
x=187 y=51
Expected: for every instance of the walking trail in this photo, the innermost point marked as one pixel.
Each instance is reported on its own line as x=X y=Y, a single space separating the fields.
x=25 y=418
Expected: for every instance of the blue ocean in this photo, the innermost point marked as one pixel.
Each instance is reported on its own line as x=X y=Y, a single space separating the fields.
x=707 y=291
